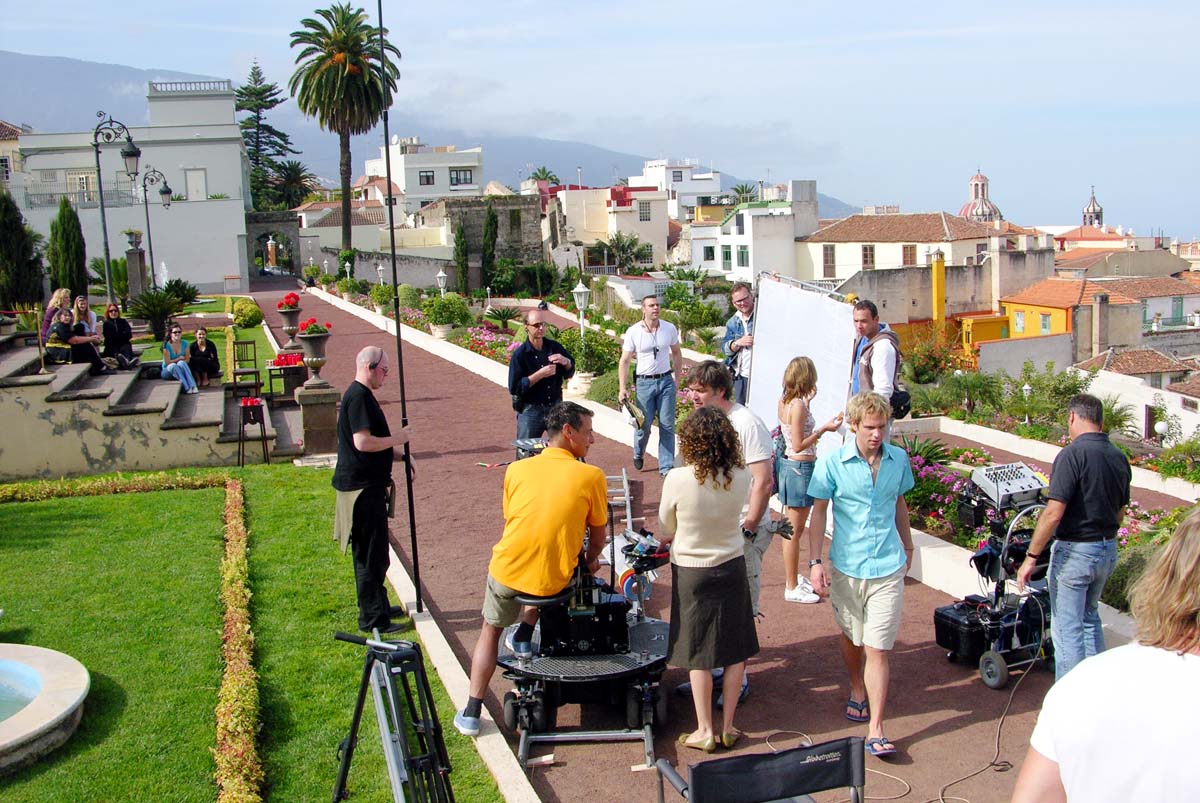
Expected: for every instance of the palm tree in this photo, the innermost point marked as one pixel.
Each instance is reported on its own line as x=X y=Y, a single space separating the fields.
x=338 y=81
x=744 y=193
x=625 y=250
x=544 y=173
x=293 y=183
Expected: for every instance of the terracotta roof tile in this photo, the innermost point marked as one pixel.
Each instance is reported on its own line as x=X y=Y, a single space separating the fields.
x=1134 y=362
x=1188 y=387
x=1088 y=233
x=1190 y=276
x=370 y=216
x=354 y=204
x=1083 y=258
x=1148 y=287
x=921 y=227
x=9 y=131
x=1062 y=293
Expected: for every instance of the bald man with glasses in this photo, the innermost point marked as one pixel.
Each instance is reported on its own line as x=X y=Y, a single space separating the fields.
x=363 y=481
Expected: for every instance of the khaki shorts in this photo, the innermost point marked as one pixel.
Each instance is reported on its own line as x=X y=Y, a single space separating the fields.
x=868 y=611
x=500 y=607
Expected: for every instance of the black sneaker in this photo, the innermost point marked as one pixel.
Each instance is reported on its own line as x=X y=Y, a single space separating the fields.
x=637 y=463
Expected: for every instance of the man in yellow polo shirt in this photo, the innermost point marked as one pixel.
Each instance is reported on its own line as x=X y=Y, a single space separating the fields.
x=549 y=502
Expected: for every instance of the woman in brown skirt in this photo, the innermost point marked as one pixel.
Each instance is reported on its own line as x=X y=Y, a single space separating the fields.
x=712 y=620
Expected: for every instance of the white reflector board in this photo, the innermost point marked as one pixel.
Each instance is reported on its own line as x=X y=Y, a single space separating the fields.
x=793 y=322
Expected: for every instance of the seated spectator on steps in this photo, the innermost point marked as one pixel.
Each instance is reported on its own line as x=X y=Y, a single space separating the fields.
x=84 y=315
x=203 y=358
x=175 y=360
x=67 y=343
x=60 y=299
x=118 y=337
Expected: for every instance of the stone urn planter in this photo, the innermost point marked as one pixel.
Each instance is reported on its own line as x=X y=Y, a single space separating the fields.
x=441 y=330
x=291 y=325
x=314 y=357
x=579 y=384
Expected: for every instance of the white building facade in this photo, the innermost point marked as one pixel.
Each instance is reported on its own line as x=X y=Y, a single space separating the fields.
x=425 y=173
x=758 y=236
x=688 y=185
x=590 y=215
x=193 y=139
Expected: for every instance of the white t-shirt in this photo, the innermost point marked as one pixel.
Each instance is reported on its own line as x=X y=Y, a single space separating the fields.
x=644 y=343
x=756 y=442
x=1122 y=727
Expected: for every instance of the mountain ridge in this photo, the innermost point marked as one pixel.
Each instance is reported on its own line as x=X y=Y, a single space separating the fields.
x=80 y=88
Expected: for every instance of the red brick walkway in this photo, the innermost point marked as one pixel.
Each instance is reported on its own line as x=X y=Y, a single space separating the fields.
x=941 y=716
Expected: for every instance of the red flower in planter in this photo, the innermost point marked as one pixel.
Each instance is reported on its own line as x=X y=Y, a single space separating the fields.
x=290 y=301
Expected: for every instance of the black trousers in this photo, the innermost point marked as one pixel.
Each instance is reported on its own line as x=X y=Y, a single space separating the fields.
x=369 y=546
x=86 y=352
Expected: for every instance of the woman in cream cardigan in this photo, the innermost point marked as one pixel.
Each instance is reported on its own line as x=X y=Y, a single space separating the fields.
x=712 y=619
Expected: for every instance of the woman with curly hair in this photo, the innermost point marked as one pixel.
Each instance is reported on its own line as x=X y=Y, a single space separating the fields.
x=60 y=299
x=712 y=618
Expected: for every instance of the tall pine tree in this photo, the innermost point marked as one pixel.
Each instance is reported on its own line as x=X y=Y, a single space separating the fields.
x=462 y=266
x=491 y=226
x=67 y=251
x=265 y=144
x=20 y=264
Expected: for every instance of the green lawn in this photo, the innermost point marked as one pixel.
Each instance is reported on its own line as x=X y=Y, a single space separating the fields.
x=127 y=585
x=87 y=576
x=303 y=591
x=217 y=335
x=217 y=304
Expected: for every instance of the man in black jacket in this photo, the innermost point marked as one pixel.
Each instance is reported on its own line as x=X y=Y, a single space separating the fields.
x=536 y=371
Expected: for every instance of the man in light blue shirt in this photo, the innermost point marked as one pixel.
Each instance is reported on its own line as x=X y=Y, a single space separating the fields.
x=870 y=554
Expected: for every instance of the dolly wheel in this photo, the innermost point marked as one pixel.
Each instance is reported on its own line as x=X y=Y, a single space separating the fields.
x=993 y=670
x=952 y=657
x=633 y=708
x=510 y=710
x=543 y=716
x=662 y=709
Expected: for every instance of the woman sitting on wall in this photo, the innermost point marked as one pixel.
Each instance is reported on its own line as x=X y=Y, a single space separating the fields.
x=59 y=300
x=203 y=358
x=175 y=360
x=712 y=619
x=118 y=337
x=68 y=343
x=84 y=315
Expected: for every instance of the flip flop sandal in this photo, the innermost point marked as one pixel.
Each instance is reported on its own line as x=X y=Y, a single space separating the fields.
x=863 y=709
x=876 y=746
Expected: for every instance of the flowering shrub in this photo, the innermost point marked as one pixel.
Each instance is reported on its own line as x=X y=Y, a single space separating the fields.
x=311 y=327
x=290 y=301
x=414 y=318
x=971 y=456
x=489 y=342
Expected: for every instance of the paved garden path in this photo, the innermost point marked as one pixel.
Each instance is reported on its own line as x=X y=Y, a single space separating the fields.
x=941 y=716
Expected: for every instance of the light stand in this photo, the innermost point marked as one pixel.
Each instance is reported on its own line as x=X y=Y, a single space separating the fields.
x=108 y=131
x=385 y=86
x=149 y=179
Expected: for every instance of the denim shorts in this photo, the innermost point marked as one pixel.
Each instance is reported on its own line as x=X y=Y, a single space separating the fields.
x=794 y=476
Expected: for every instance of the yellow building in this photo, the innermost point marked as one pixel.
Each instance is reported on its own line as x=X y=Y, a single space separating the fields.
x=1045 y=308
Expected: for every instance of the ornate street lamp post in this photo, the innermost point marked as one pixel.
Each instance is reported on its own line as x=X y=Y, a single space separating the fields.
x=581 y=293
x=108 y=131
x=149 y=179
x=441 y=280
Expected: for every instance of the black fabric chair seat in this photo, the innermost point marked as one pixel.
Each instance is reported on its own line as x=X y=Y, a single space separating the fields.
x=539 y=602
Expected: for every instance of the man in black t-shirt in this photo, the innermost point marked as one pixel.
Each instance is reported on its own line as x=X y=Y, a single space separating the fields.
x=363 y=480
x=1089 y=489
x=536 y=371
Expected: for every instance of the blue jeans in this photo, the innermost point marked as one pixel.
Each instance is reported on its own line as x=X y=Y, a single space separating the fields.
x=1078 y=572
x=740 y=385
x=531 y=422
x=180 y=371
x=656 y=397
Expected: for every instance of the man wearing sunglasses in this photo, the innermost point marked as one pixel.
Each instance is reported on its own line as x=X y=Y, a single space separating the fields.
x=363 y=481
x=659 y=358
x=536 y=372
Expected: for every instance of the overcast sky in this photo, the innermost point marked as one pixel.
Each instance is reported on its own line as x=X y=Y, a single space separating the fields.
x=880 y=102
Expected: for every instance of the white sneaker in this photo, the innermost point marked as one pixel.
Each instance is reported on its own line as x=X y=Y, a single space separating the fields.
x=804 y=582
x=801 y=594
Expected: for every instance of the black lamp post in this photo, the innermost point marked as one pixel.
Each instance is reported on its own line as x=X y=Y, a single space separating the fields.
x=107 y=131
x=149 y=179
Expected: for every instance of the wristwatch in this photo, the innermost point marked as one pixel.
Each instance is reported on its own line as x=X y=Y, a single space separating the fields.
x=813 y=562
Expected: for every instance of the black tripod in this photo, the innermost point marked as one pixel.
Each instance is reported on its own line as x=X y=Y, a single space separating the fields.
x=417 y=762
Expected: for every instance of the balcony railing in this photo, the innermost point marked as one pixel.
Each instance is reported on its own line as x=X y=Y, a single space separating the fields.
x=116 y=193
